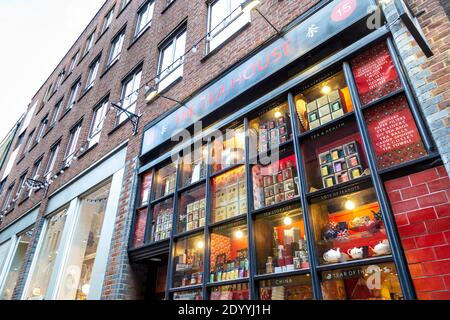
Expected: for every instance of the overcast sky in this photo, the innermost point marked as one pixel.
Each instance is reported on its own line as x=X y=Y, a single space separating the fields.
x=35 y=35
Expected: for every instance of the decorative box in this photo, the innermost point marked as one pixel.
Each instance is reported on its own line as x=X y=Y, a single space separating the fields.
x=329 y=181
x=342 y=177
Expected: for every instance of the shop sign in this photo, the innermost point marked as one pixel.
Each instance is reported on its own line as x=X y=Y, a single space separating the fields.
x=314 y=31
x=394 y=133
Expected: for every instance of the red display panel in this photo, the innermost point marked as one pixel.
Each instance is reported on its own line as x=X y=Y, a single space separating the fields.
x=394 y=133
x=375 y=74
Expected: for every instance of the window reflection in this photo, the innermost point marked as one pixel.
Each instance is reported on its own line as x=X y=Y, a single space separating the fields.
x=165 y=181
x=228 y=149
x=289 y=288
x=192 y=210
x=189 y=261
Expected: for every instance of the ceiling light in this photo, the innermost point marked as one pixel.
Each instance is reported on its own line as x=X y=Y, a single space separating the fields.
x=350 y=205
x=288 y=221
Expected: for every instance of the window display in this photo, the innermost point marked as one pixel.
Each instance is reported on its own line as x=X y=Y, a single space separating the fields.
x=45 y=261
x=192 y=210
x=334 y=156
x=188 y=261
x=162 y=220
x=238 y=291
x=275 y=183
x=349 y=227
x=272 y=127
x=229 y=149
x=229 y=195
x=188 y=295
x=280 y=241
x=165 y=180
x=322 y=103
x=76 y=276
x=16 y=265
x=193 y=168
x=373 y=282
x=229 y=252
x=146 y=182
x=290 y=288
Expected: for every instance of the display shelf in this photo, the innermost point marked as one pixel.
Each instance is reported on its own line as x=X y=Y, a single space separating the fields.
x=227 y=221
x=357 y=236
x=332 y=123
x=383 y=99
x=285 y=145
x=230 y=168
x=186 y=288
x=335 y=188
x=226 y=282
x=149 y=250
x=427 y=162
x=153 y=202
x=188 y=233
x=355 y=263
x=191 y=186
x=275 y=206
x=269 y=276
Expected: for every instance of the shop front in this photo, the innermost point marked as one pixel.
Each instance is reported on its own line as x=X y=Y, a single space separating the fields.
x=283 y=196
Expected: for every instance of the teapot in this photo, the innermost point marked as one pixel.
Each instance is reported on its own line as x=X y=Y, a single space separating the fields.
x=382 y=248
x=356 y=253
x=332 y=255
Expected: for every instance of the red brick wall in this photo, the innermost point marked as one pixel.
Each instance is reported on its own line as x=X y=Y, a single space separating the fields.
x=421 y=205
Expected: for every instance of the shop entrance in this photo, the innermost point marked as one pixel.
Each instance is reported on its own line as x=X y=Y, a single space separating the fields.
x=156 y=278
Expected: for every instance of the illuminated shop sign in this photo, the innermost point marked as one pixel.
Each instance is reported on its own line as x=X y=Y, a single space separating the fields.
x=314 y=31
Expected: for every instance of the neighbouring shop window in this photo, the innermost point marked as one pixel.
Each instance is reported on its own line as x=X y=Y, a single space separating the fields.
x=228 y=149
x=162 y=220
x=171 y=60
x=188 y=261
x=192 y=210
x=280 y=241
x=45 y=259
x=334 y=156
x=76 y=276
x=289 y=288
x=188 y=295
x=16 y=265
x=323 y=102
x=229 y=195
x=349 y=227
x=225 y=19
x=276 y=182
x=193 y=167
x=372 y=282
x=229 y=253
x=238 y=291
x=165 y=181
x=394 y=134
x=272 y=128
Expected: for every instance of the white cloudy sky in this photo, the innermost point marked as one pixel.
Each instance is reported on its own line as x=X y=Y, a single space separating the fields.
x=35 y=35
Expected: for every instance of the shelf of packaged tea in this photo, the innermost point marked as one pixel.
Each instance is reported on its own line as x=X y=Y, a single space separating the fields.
x=337 y=187
x=284 y=274
x=345 y=117
x=276 y=206
x=227 y=221
x=227 y=282
x=384 y=98
x=187 y=288
x=355 y=263
x=281 y=148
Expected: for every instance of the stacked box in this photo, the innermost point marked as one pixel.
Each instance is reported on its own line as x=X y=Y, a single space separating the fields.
x=280 y=186
x=325 y=109
x=273 y=133
x=163 y=225
x=195 y=216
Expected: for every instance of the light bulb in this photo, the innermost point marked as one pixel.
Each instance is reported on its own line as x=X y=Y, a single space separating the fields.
x=350 y=205
x=326 y=89
x=239 y=234
x=85 y=288
x=200 y=245
x=278 y=114
x=288 y=221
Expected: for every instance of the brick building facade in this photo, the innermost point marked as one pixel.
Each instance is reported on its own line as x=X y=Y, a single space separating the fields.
x=117 y=160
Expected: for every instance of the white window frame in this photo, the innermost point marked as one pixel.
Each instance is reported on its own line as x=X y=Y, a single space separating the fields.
x=108 y=19
x=116 y=47
x=56 y=112
x=72 y=145
x=89 y=43
x=60 y=79
x=54 y=152
x=93 y=71
x=174 y=71
x=8 y=197
x=147 y=10
x=130 y=99
x=73 y=62
x=41 y=129
x=124 y=4
x=35 y=173
x=73 y=95
x=98 y=120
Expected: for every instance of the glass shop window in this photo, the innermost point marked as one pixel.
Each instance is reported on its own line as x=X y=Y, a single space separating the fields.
x=280 y=241
x=16 y=265
x=349 y=227
x=272 y=128
x=229 y=195
x=140 y=225
x=228 y=149
x=323 y=102
x=238 y=291
x=45 y=259
x=192 y=210
x=82 y=254
x=193 y=167
x=165 y=181
x=290 y=288
x=188 y=261
x=276 y=182
x=146 y=183
x=188 y=295
x=162 y=220
x=334 y=156
x=229 y=253
x=373 y=282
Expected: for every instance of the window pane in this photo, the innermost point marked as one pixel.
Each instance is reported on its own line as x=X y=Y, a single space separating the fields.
x=82 y=253
x=322 y=103
x=162 y=220
x=290 y=288
x=229 y=252
x=229 y=195
x=276 y=182
x=192 y=210
x=4 y=250
x=146 y=183
x=188 y=261
x=373 y=282
x=193 y=168
x=334 y=156
x=188 y=295
x=280 y=241
x=349 y=227
x=16 y=265
x=139 y=228
x=228 y=149
x=165 y=181
x=45 y=260
x=234 y=292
